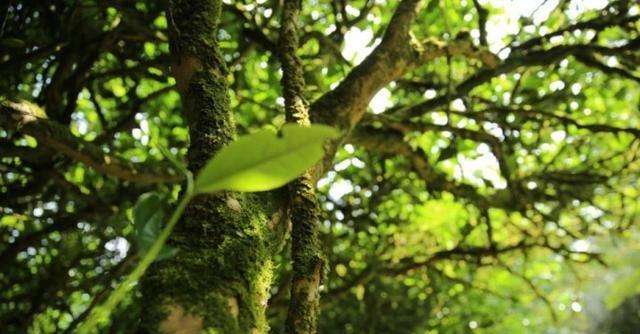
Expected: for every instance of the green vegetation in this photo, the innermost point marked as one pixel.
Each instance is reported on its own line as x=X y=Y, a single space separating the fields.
x=462 y=166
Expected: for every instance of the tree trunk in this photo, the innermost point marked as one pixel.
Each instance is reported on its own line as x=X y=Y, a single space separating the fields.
x=219 y=280
x=306 y=253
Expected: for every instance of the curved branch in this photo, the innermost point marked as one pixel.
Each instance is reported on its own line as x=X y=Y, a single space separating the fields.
x=399 y=53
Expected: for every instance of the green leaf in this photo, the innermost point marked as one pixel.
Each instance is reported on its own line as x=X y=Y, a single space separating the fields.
x=264 y=160
x=147 y=218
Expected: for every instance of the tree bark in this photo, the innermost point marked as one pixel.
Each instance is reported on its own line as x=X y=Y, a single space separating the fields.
x=306 y=252
x=219 y=280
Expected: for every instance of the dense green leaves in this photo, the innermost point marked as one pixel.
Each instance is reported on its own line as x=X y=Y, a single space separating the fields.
x=264 y=160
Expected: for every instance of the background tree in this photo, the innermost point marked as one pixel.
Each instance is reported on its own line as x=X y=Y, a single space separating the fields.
x=487 y=163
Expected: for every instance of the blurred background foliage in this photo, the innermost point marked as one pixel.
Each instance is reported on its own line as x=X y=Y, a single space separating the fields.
x=507 y=204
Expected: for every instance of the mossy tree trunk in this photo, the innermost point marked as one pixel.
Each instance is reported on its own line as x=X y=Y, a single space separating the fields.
x=219 y=281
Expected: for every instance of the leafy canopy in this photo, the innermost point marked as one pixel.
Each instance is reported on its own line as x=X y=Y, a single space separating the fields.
x=467 y=197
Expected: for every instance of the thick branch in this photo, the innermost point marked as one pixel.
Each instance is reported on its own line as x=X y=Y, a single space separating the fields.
x=308 y=262
x=346 y=104
x=398 y=53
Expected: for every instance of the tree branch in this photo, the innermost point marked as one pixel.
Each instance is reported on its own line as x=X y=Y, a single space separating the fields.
x=392 y=142
x=398 y=53
x=308 y=262
x=531 y=58
x=28 y=119
x=482 y=22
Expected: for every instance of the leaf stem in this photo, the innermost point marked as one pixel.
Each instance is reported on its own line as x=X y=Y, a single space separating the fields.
x=103 y=311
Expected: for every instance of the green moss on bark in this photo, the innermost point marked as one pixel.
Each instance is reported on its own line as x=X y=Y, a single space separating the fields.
x=223 y=270
x=308 y=261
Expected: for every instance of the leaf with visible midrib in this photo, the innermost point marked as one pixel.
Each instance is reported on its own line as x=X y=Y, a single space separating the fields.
x=263 y=160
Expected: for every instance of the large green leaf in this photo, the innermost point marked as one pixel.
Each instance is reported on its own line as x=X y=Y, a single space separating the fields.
x=264 y=160
x=147 y=218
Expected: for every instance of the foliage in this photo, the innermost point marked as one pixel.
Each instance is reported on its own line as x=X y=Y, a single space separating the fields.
x=469 y=195
x=263 y=160
x=227 y=170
